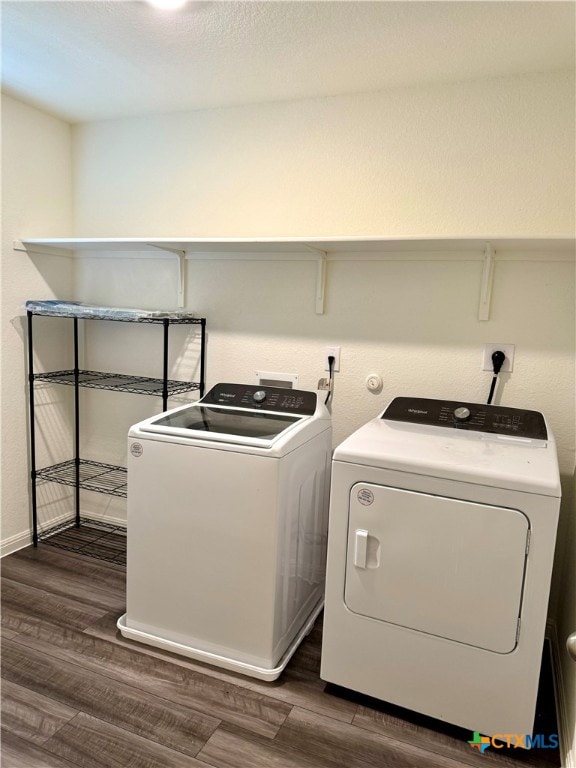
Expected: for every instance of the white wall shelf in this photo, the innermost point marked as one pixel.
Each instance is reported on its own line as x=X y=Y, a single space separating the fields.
x=317 y=249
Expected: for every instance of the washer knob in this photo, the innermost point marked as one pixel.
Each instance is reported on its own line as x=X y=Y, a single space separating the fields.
x=259 y=396
x=462 y=413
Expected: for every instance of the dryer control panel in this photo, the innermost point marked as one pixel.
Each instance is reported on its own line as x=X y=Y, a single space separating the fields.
x=261 y=398
x=495 y=419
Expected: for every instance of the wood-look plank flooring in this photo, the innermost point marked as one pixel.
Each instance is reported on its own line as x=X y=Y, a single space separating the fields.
x=76 y=693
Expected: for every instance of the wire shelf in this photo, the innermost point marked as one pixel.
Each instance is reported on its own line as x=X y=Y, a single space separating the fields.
x=94 y=476
x=93 y=538
x=119 y=382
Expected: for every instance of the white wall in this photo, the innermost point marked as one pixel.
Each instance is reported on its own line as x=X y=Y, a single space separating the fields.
x=413 y=322
x=484 y=157
x=36 y=201
x=492 y=157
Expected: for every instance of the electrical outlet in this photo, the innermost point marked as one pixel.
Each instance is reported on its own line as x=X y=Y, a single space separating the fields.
x=508 y=364
x=332 y=352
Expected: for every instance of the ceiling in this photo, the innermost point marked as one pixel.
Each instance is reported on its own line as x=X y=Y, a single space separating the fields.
x=104 y=59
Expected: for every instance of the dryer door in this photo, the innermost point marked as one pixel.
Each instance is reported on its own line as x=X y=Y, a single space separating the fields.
x=443 y=566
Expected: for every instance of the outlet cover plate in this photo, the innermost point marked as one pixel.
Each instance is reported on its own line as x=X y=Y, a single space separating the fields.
x=508 y=349
x=332 y=352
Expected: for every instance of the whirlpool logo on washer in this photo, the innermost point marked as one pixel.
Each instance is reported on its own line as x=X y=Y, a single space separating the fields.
x=137 y=449
x=365 y=496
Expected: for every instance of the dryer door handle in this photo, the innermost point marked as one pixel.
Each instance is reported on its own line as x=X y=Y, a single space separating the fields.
x=361 y=548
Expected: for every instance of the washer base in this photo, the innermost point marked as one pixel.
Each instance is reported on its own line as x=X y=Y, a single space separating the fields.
x=233 y=665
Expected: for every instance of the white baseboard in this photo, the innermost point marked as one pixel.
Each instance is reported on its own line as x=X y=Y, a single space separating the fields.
x=565 y=728
x=14 y=543
x=24 y=539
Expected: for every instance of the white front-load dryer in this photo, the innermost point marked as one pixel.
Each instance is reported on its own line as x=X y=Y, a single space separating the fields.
x=443 y=520
x=227 y=526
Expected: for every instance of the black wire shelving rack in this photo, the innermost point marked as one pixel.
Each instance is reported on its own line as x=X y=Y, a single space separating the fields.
x=84 y=474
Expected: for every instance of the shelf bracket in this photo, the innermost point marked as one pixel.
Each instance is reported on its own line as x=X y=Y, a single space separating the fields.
x=321 y=259
x=181 y=298
x=486 y=284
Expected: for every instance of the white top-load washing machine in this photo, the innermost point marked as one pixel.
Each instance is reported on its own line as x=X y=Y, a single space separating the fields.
x=442 y=528
x=227 y=526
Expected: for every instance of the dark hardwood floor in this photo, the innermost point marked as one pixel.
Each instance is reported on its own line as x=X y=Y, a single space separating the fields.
x=75 y=693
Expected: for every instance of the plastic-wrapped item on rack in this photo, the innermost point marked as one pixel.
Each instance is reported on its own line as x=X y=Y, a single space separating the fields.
x=60 y=308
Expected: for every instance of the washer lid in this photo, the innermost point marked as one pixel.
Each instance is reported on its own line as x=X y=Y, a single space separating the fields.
x=238 y=414
x=229 y=424
x=469 y=455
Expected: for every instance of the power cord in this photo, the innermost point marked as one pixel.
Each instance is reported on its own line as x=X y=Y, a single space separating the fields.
x=330 y=378
x=497 y=363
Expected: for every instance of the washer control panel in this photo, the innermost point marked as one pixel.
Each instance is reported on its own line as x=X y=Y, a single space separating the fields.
x=262 y=398
x=495 y=419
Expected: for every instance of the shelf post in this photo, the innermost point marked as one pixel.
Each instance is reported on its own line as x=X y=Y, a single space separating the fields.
x=76 y=424
x=32 y=433
x=165 y=325
x=202 y=354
